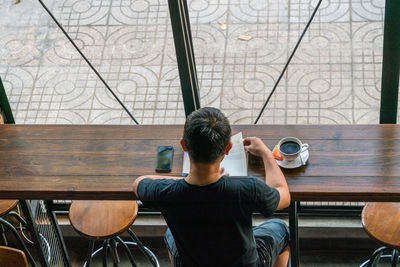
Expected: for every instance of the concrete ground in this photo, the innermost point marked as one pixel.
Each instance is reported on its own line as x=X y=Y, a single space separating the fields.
x=334 y=77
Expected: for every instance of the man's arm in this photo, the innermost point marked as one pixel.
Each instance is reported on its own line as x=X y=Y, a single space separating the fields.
x=273 y=174
x=153 y=177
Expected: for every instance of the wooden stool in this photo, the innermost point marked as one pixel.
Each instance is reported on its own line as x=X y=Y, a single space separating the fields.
x=12 y=257
x=5 y=207
x=105 y=220
x=5 y=210
x=381 y=221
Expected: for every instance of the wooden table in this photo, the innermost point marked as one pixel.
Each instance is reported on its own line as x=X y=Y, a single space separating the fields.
x=347 y=163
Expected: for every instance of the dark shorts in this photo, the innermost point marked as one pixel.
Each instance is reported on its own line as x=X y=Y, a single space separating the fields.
x=272 y=237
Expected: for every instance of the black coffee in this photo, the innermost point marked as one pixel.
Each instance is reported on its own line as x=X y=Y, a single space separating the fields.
x=290 y=147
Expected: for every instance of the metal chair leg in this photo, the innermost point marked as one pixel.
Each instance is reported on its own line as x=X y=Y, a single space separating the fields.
x=94 y=254
x=3 y=235
x=17 y=216
x=19 y=240
x=113 y=245
x=134 y=244
x=105 y=248
x=127 y=250
x=375 y=257
x=114 y=252
x=89 y=256
x=395 y=258
x=142 y=248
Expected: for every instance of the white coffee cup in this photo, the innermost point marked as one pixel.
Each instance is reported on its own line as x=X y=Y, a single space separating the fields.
x=292 y=156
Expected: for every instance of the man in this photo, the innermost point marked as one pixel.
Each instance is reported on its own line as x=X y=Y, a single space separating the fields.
x=208 y=213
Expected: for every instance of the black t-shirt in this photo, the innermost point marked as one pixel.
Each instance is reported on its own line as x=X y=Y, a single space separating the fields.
x=212 y=224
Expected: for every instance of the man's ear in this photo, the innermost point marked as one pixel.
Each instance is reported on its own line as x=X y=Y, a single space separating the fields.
x=183 y=145
x=228 y=147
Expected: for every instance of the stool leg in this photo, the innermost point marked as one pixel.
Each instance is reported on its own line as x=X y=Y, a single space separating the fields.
x=89 y=256
x=3 y=235
x=114 y=252
x=17 y=216
x=141 y=247
x=373 y=261
x=395 y=258
x=105 y=248
x=127 y=250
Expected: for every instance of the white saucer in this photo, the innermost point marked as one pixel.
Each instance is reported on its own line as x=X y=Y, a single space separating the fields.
x=294 y=163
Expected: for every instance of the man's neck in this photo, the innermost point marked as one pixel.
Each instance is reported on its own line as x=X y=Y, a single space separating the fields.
x=203 y=173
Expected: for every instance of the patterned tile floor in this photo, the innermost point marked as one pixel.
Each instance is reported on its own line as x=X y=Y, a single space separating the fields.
x=333 y=78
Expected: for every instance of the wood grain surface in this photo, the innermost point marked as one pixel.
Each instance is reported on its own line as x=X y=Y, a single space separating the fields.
x=7 y=205
x=347 y=162
x=100 y=220
x=382 y=222
x=12 y=257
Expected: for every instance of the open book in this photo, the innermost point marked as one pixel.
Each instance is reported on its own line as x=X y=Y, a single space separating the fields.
x=235 y=163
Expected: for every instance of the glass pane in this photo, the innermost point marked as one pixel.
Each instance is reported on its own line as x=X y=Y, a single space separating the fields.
x=240 y=49
x=334 y=78
x=47 y=81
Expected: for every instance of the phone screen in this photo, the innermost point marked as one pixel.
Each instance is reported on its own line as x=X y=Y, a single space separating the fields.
x=164 y=158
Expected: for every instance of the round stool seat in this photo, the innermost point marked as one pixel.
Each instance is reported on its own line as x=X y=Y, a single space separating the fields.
x=7 y=205
x=100 y=219
x=381 y=220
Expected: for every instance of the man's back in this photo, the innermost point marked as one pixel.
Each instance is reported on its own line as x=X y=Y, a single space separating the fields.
x=212 y=224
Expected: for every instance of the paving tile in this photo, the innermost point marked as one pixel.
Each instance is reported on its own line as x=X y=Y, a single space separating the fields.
x=209 y=44
x=211 y=83
x=367 y=84
x=367 y=10
x=22 y=46
x=329 y=85
x=138 y=45
x=366 y=116
x=91 y=40
x=19 y=85
x=323 y=43
x=367 y=42
x=64 y=88
x=29 y=13
x=111 y=116
x=329 y=11
x=258 y=12
x=204 y=11
x=138 y=12
x=68 y=117
x=82 y=12
x=268 y=44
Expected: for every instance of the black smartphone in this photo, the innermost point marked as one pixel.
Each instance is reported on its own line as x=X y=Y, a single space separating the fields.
x=164 y=158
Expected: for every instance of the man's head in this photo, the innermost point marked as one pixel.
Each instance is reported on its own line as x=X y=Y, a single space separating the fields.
x=206 y=135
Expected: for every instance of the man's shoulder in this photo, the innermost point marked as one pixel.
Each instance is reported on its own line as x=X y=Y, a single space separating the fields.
x=155 y=188
x=165 y=182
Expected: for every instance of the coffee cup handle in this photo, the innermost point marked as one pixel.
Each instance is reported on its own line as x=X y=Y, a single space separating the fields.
x=304 y=147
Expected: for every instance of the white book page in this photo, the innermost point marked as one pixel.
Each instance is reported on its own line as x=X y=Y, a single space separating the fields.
x=235 y=163
x=186 y=163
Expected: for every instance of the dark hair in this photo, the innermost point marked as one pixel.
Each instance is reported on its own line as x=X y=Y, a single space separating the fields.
x=206 y=134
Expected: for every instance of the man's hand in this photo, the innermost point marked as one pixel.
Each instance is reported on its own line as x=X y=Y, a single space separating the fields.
x=255 y=146
x=273 y=174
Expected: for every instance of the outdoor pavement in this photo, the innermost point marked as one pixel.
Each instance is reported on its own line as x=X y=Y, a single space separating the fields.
x=333 y=79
